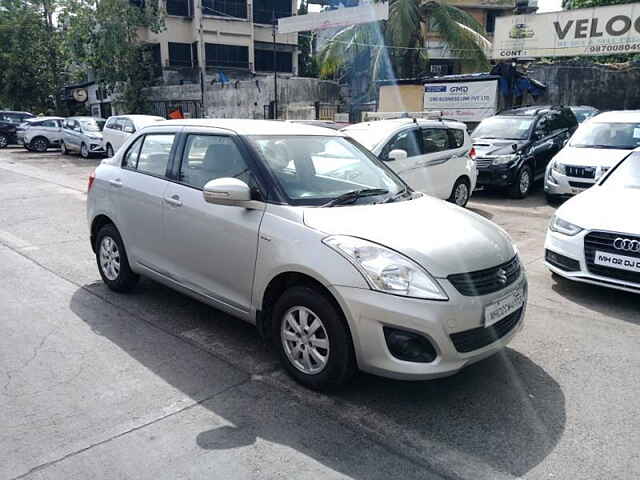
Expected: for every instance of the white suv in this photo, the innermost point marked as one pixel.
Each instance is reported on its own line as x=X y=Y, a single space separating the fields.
x=118 y=129
x=304 y=233
x=41 y=133
x=432 y=156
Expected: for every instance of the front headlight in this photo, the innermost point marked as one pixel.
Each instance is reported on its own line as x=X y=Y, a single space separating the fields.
x=562 y=226
x=559 y=168
x=502 y=159
x=385 y=270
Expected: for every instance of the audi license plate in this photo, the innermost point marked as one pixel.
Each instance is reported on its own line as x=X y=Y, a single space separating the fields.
x=621 y=262
x=505 y=306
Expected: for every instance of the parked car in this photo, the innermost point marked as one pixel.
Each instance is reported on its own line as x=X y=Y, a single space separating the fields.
x=514 y=147
x=83 y=135
x=597 y=145
x=41 y=133
x=595 y=236
x=584 y=112
x=432 y=156
x=319 y=123
x=341 y=271
x=119 y=128
x=9 y=123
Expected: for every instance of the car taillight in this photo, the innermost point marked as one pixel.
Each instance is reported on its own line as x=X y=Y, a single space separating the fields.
x=472 y=153
x=92 y=177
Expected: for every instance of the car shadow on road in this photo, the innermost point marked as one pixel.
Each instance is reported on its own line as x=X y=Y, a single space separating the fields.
x=505 y=413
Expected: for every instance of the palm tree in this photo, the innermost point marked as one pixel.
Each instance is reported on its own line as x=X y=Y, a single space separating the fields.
x=395 y=48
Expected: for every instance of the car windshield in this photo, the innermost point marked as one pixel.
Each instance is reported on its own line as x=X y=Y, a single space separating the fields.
x=92 y=125
x=508 y=128
x=624 y=136
x=364 y=137
x=626 y=174
x=314 y=170
x=583 y=114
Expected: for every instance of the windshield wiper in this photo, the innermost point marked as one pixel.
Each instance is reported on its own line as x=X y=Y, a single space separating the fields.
x=354 y=195
x=397 y=196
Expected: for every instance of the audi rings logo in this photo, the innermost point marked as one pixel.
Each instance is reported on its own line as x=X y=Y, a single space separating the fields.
x=626 y=244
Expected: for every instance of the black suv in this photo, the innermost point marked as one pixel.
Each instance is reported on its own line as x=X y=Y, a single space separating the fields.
x=514 y=147
x=9 y=123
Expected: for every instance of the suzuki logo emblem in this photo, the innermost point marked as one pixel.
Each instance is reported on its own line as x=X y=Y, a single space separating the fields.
x=626 y=244
x=502 y=276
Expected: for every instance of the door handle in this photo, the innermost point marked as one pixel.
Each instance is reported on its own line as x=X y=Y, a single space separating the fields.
x=173 y=200
x=116 y=183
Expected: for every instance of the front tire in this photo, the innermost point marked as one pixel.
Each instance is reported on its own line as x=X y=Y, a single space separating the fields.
x=63 y=149
x=109 y=150
x=461 y=192
x=84 y=150
x=39 y=144
x=523 y=181
x=312 y=338
x=113 y=263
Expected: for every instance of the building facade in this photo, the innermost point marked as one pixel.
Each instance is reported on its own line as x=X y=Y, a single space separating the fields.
x=234 y=37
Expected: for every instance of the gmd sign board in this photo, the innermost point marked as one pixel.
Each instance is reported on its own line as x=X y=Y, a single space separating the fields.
x=586 y=31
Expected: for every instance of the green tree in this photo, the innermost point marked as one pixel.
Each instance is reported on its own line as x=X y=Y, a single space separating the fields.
x=395 y=48
x=307 y=67
x=572 y=4
x=103 y=36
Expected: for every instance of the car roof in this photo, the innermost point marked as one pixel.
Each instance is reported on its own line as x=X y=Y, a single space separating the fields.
x=391 y=125
x=85 y=118
x=136 y=116
x=251 y=127
x=37 y=119
x=529 y=111
x=16 y=111
x=617 y=116
x=584 y=107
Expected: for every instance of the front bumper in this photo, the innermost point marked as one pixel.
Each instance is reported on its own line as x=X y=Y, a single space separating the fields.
x=96 y=147
x=563 y=186
x=369 y=311
x=573 y=249
x=497 y=175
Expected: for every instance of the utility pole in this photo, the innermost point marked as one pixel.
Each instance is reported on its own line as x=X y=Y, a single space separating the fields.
x=275 y=68
x=202 y=60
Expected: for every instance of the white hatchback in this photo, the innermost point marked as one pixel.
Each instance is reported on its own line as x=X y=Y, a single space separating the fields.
x=432 y=156
x=118 y=129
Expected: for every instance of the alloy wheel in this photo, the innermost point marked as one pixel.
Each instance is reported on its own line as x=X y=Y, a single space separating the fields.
x=461 y=194
x=4 y=141
x=109 y=258
x=109 y=151
x=305 y=340
x=39 y=145
x=84 y=151
x=525 y=181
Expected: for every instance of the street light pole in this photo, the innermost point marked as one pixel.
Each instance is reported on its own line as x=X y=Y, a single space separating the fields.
x=275 y=69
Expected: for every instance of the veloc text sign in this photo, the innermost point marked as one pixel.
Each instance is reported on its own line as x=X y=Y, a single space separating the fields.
x=464 y=101
x=341 y=17
x=586 y=31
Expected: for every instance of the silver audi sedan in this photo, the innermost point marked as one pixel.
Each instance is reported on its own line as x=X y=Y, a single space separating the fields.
x=304 y=233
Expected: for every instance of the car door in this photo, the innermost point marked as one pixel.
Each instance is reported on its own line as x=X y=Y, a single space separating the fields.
x=127 y=129
x=56 y=132
x=140 y=190
x=110 y=132
x=71 y=134
x=213 y=247
x=408 y=140
x=545 y=141
x=50 y=130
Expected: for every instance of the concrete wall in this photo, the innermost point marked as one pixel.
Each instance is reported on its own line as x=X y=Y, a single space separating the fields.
x=603 y=86
x=246 y=99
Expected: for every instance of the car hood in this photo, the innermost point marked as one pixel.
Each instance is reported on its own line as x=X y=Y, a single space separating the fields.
x=440 y=236
x=604 y=208
x=493 y=146
x=590 y=157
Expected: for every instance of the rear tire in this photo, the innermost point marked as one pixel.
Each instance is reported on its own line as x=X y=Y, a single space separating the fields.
x=63 y=149
x=312 y=338
x=109 y=150
x=39 y=144
x=523 y=182
x=461 y=192
x=4 y=140
x=84 y=150
x=113 y=263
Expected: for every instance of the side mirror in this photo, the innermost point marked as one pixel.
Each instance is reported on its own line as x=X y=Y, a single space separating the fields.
x=129 y=130
x=227 y=191
x=397 y=155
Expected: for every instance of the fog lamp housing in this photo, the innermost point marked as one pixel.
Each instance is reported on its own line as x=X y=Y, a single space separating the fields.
x=409 y=346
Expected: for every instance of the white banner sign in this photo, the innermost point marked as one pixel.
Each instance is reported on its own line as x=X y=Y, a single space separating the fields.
x=464 y=101
x=586 y=31
x=342 y=17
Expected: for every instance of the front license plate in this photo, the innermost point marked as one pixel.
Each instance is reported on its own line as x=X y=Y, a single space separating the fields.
x=503 y=307
x=621 y=262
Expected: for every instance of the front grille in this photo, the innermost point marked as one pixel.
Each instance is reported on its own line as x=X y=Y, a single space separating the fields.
x=603 y=242
x=580 y=172
x=581 y=184
x=563 y=263
x=483 y=162
x=484 y=282
x=476 y=338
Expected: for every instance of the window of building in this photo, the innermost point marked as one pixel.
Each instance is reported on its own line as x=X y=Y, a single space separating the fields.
x=180 y=54
x=263 y=10
x=219 y=55
x=180 y=8
x=225 y=8
x=194 y=53
x=264 y=61
x=490 y=24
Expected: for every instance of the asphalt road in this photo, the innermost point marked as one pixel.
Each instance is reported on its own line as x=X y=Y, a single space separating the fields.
x=156 y=385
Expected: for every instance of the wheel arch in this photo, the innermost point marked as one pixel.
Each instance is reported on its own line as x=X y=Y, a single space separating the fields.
x=97 y=223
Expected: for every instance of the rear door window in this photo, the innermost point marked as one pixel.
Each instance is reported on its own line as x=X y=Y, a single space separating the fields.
x=50 y=124
x=154 y=154
x=434 y=140
x=456 y=138
x=112 y=124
